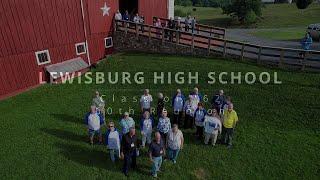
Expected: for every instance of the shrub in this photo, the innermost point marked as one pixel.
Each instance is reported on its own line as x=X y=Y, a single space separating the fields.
x=242 y=8
x=250 y=17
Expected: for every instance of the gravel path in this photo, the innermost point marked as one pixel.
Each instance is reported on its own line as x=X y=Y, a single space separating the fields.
x=244 y=35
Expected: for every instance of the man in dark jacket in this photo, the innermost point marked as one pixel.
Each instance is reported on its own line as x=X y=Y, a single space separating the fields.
x=129 y=146
x=218 y=101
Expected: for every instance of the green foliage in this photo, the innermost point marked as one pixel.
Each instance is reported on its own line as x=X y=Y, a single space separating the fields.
x=250 y=17
x=273 y=16
x=242 y=8
x=201 y=3
x=303 y=4
x=181 y=13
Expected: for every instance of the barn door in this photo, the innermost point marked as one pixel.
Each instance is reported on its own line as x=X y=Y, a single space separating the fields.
x=129 y=5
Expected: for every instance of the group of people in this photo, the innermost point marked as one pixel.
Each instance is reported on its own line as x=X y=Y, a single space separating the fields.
x=189 y=23
x=168 y=141
x=127 y=17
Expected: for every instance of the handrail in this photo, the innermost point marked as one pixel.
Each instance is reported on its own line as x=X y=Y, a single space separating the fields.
x=211 y=43
x=211 y=29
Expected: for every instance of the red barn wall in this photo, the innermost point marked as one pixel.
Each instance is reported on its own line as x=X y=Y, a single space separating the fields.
x=28 y=26
x=150 y=8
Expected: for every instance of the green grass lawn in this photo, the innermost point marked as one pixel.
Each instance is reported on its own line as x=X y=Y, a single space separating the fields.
x=43 y=135
x=273 y=16
x=281 y=33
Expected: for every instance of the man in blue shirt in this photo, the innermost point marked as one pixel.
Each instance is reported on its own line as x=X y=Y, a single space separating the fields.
x=156 y=151
x=178 y=104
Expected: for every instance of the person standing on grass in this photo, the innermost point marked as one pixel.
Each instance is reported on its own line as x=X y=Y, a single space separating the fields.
x=113 y=142
x=195 y=98
x=126 y=123
x=94 y=121
x=145 y=101
x=160 y=105
x=156 y=151
x=146 y=126
x=99 y=103
x=177 y=104
x=164 y=125
x=306 y=43
x=188 y=115
x=199 y=115
x=129 y=145
x=225 y=105
x=175 y=143
x=230 y=119
x=218 y=101
x=212 y=127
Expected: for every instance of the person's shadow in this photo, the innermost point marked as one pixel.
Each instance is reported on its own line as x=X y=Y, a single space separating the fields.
x=68 y=118
x=64 y=135
x=88 y=156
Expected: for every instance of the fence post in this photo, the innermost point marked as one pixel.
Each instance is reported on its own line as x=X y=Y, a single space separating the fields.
x=149 y=33
x=126 y=28
x=209 y=45
x=114 y=25
x=259 y=55
x=177 y=37
x=162 y=34
x=281 y=58
x=192 y=43
x=304 y=60
x=137 y=30
x=242 y=51
x=224 y=48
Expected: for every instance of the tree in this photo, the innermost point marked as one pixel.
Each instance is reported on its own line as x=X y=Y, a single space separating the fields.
x=242 y=9
x=303 y=4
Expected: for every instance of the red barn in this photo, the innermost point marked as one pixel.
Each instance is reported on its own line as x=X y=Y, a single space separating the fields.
x=37 y=34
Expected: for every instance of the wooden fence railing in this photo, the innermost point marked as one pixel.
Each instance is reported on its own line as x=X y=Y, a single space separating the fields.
x=277 y=56
x=201 y=28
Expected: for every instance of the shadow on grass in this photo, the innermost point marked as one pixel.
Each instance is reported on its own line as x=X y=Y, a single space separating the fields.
x=65 y=135
x=88 y=156
x=68 y=118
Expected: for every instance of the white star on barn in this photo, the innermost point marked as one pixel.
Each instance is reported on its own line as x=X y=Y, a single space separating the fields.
x=105 y=9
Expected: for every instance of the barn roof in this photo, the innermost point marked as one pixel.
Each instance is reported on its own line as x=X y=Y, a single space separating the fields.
x=69 y=66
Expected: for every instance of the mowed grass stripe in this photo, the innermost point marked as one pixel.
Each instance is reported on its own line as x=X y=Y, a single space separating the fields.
x=277 y=137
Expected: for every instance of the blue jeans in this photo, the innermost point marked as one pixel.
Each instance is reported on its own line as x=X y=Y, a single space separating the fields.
x=114 y=154
x=173 y=154
x=157 y=161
